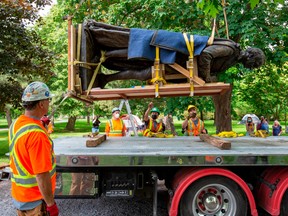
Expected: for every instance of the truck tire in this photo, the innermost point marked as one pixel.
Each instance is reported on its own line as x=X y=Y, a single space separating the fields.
x=213 y=195
x=284 y=205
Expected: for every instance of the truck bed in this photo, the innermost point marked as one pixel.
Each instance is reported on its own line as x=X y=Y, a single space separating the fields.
x=244 y=150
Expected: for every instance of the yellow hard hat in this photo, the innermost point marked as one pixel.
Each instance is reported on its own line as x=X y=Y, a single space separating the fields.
x=190 y=107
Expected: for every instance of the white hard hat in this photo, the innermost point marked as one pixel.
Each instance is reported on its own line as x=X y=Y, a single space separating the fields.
x=36 y=91
x=115 y=109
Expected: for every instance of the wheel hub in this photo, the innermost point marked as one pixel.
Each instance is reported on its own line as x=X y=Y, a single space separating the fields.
x=211 y=202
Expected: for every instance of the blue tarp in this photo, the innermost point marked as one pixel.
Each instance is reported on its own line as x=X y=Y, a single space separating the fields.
x=142 y=43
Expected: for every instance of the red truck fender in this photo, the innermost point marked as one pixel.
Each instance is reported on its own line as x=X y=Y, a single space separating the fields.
x=186 y=177
x=269 y=197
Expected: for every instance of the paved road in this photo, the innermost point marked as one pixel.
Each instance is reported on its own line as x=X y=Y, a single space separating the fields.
x=100 y=207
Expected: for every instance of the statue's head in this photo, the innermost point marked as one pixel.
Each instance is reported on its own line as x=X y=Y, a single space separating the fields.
x=255 y=58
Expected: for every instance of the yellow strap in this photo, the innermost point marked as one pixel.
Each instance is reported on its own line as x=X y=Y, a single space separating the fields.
x=102 y=59
x=190 y=47
x=79 y=41
x=156 y=68
x=191 y=66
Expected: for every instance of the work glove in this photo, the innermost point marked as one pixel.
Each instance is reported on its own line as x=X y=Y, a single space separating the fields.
x=53 y=210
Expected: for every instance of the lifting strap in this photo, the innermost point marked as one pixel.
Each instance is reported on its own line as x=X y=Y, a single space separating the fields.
x=190 y=47
x=84 y=64
x=102 y=59
x=157 y=78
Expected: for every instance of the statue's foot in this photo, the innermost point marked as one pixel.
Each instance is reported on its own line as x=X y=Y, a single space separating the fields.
x=211 y=79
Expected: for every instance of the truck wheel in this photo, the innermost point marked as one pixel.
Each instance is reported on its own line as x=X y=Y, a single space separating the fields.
x=213 y=195
x=284 y=205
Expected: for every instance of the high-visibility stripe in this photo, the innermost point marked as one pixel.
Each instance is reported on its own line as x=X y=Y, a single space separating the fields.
x=114 y=132
x=23 y=131
x=151 y=128
x=194 y=129
x=24 y=178
x=28 y=181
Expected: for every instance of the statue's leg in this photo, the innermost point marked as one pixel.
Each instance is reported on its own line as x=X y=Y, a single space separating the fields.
x=142 y=75
x=204 y=66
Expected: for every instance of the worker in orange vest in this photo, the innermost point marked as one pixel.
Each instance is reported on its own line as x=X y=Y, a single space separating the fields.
x=115 y=126
x=32 y=158
x=153 y=124
x=193 y=126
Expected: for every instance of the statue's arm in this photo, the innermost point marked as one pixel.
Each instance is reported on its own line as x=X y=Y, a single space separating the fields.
x=209 y=56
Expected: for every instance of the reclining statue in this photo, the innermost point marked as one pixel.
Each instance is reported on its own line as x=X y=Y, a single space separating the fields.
x=118 y=45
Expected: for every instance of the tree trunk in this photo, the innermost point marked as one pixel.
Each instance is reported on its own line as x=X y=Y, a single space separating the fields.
x=71 y=123
x=8 y=116
x=201 y=115
x=88 y=114
x=88 y=118
x=222 y=105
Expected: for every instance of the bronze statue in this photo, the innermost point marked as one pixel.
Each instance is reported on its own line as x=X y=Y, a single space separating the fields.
x=213 y=59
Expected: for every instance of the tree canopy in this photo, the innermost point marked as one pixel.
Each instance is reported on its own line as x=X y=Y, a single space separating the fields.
x=251 y=23
x=23 y=56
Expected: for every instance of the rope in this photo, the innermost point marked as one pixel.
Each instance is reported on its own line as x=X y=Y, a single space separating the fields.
x=83 y=64
x=225 y=17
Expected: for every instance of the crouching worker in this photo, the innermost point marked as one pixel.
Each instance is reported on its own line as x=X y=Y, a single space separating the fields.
x=193 y=126
x=153 y=124
x=115 y=126
x=32 y=158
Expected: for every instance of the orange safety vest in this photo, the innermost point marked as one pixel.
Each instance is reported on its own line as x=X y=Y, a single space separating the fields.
x=115 y=128
x=194 y=130
x=151 y=127
x=50 y=128
x=31 y=153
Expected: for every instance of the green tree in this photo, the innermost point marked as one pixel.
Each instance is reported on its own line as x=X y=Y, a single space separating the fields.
x=22 y=56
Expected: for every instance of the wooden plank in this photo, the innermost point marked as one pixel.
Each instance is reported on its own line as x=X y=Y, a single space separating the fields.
x=95 y=141
x=149 y=91
x=73 y=54
x=175 y=76
x=217 y=142
x=70 y=65
x=186 y=73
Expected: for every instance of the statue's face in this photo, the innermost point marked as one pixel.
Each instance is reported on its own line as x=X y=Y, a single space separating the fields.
x=255 y=58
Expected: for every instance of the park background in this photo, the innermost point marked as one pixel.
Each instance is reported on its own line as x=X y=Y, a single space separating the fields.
x=34 y=47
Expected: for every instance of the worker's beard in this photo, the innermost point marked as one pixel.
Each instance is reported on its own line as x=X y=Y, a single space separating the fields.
x=193 y=115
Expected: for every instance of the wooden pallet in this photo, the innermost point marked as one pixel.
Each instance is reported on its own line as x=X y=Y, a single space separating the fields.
x=172 y=90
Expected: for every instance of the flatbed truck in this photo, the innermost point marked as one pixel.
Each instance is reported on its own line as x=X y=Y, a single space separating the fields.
x=253 y=174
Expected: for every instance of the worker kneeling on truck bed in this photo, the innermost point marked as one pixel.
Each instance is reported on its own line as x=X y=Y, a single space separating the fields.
x=153 y=124
x=193 y=126
x=115 y=127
